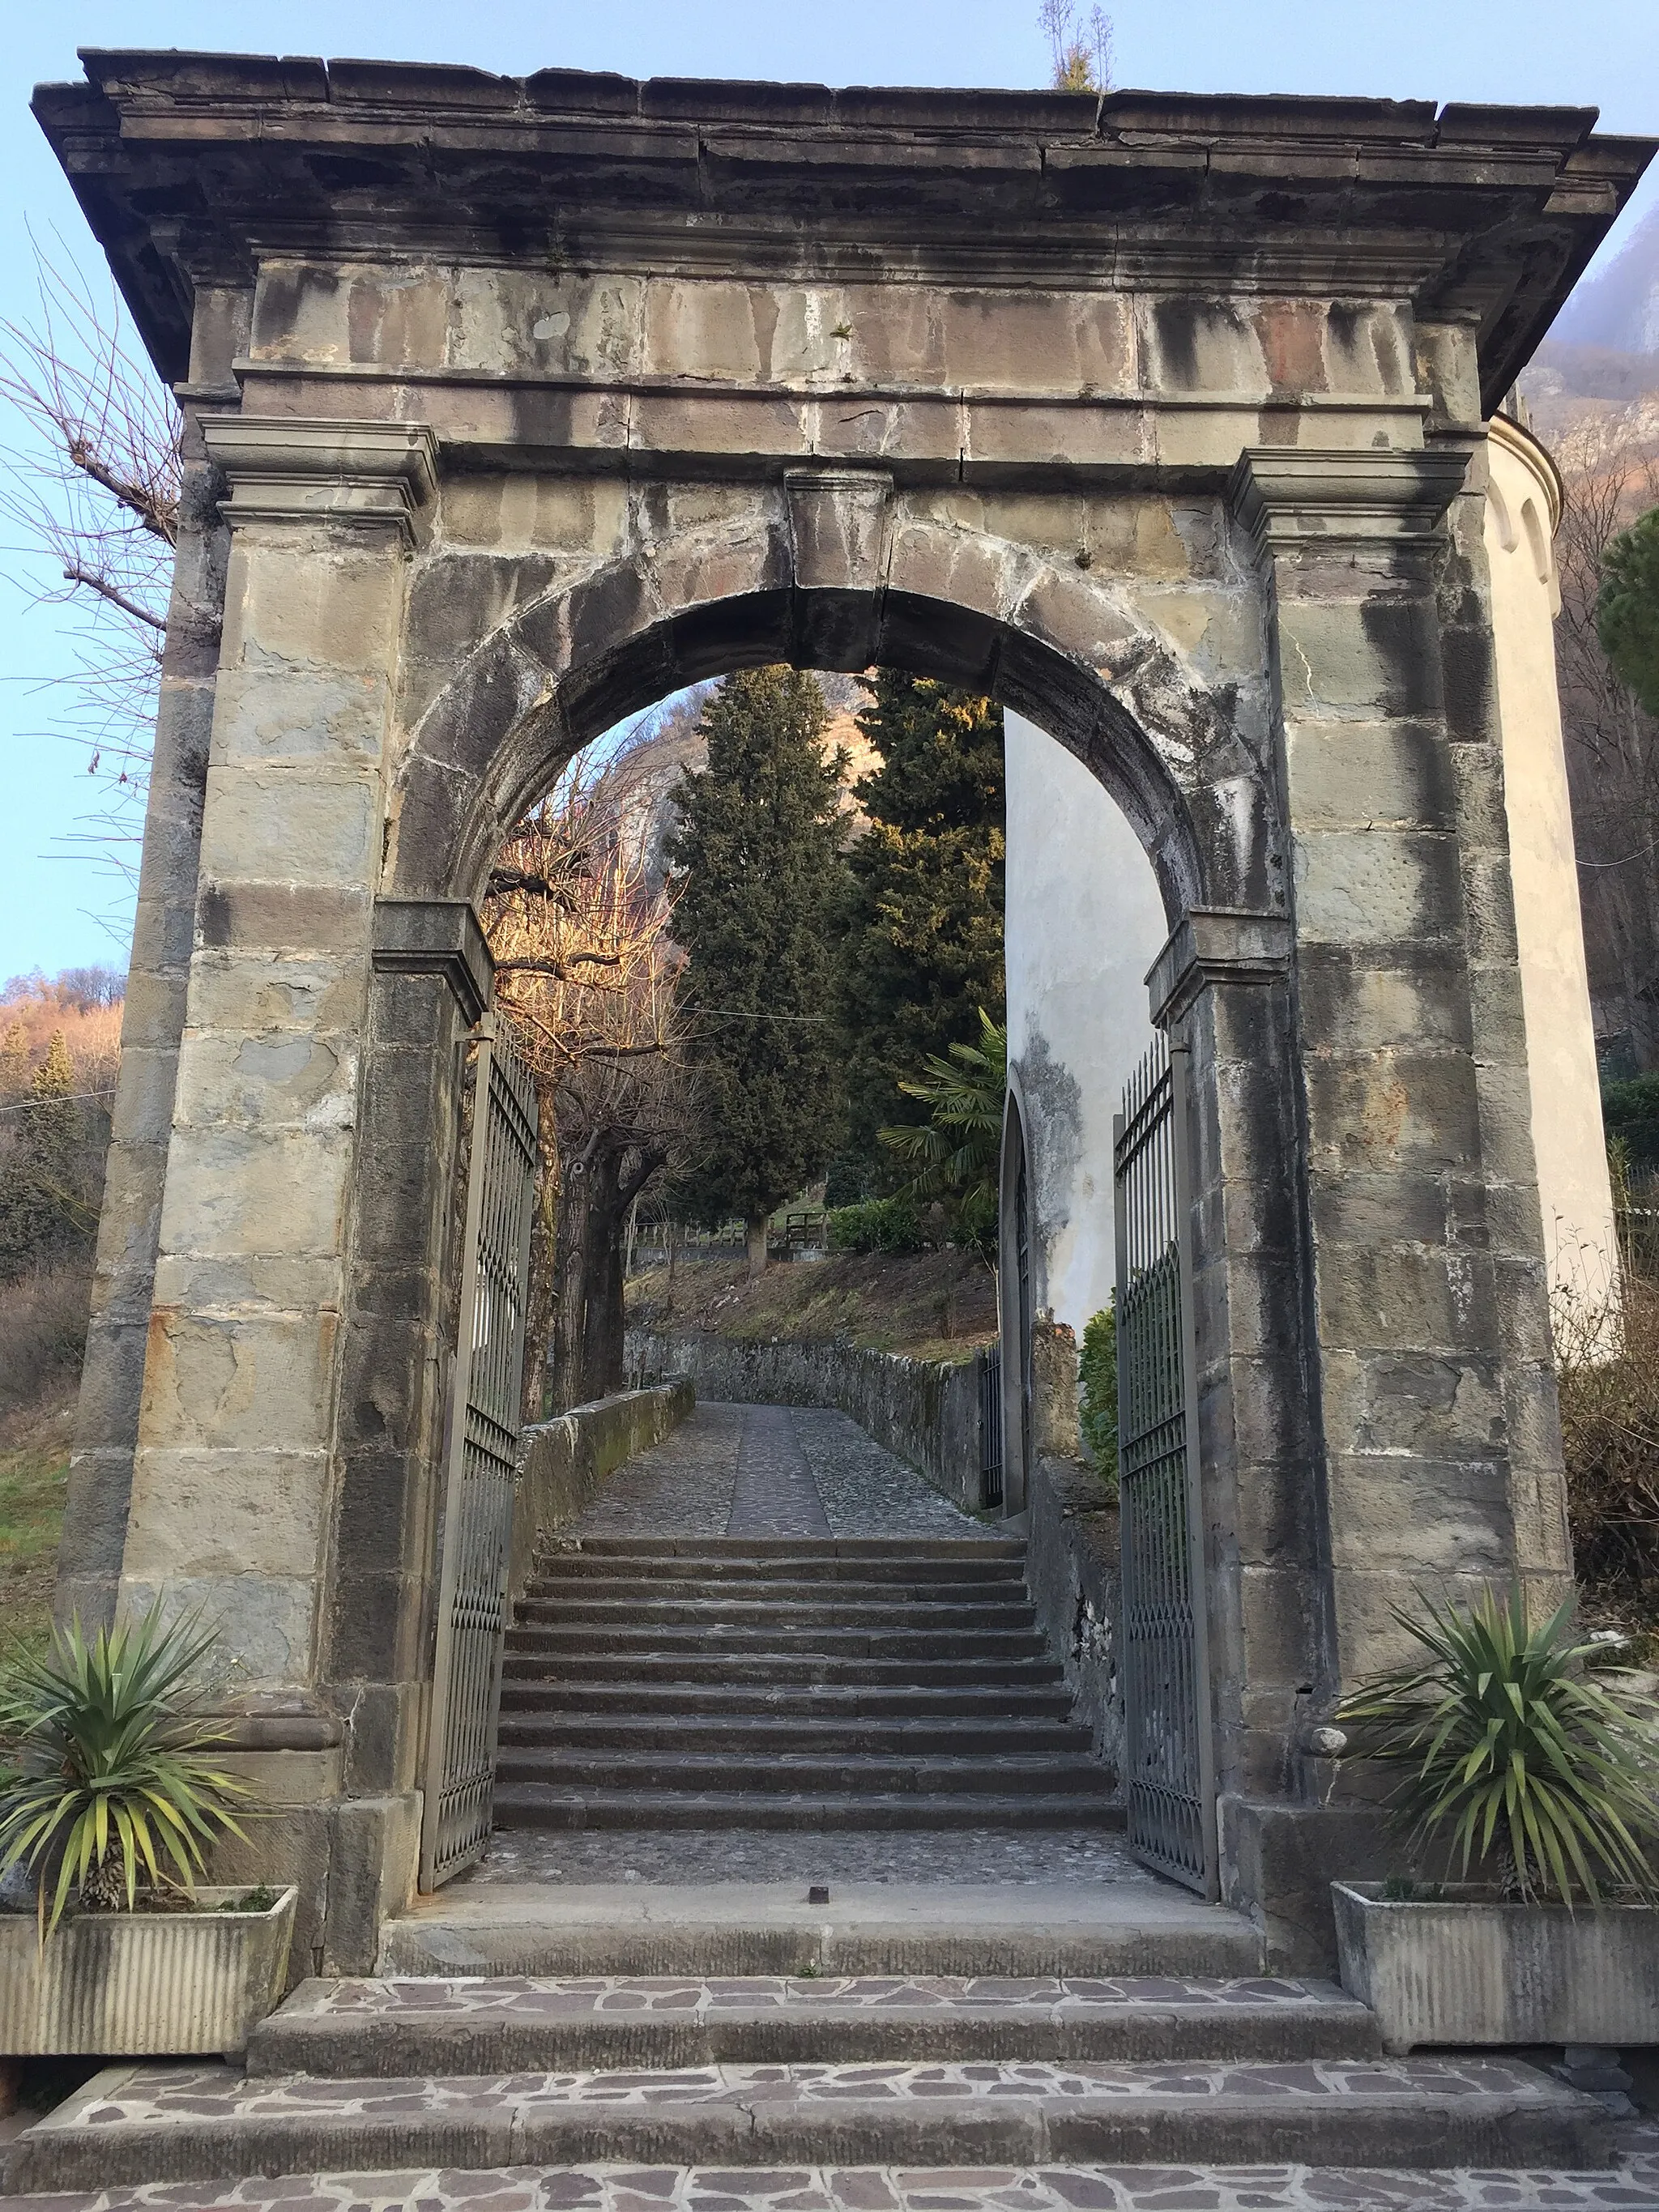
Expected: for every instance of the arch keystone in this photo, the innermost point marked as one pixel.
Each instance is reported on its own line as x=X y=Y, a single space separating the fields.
x=838 y=520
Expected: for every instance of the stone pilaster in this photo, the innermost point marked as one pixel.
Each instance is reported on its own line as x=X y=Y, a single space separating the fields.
x=1426 y=1266
x=1221 y=987
x=236 y=1472
x=111 y=1383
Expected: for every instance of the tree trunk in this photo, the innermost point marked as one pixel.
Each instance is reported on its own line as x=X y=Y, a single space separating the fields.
x=756 y=1229
x=542 y=1298
x=602 y=1333
x=570 y=1279
x=671 y=1231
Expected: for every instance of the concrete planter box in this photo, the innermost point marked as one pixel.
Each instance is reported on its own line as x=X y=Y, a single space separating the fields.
x=142 y=1984
x=1463 y=1969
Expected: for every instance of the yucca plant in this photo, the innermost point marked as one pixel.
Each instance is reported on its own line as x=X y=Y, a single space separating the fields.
x=112 y=1742
x=1510 y=1749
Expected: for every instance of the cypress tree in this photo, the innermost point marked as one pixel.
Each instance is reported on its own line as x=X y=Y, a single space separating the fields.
x=759 y=842
x=923 y=953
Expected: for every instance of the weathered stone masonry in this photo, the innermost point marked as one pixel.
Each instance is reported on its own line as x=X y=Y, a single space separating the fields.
x=522 y=404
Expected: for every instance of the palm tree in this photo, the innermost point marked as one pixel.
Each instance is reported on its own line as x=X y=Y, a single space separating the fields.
x=957 y=1151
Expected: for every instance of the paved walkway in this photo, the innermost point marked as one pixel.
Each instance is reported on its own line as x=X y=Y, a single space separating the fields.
x=1631 y=2186
x=769 y=1471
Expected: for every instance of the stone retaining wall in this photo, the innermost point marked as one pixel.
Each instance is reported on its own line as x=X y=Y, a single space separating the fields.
x=924 y=1411
x=1072 y=1563
x=568 y=1459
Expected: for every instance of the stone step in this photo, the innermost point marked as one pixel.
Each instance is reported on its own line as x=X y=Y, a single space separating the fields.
x=760 y=1735
x=873 y=1553
x=778 y=1638
x=842 y=1705
x=741 y=1570
x=752 y=1771
x=585 y=1586
x=992 y=1927
x=1632 y=2185
x=742 y=1668
x=770 y=1614
x=541 y=1805
x=155 y=2124
x=471 y=2025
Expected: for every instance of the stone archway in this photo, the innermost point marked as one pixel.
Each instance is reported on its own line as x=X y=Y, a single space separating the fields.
x=513 y=406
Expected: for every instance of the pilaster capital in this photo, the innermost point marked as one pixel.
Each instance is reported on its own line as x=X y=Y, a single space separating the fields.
x=1216 y=945
x=440 y=938
x=1290 y=497
x=301 y=469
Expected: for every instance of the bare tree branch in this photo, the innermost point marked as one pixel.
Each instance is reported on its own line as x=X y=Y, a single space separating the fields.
x=90 y=472
x=117 y=597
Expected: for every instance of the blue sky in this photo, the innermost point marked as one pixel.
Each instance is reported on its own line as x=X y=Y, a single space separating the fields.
x=54 y=913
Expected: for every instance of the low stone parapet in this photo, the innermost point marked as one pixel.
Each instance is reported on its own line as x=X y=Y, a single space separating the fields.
x=925 y=1412
x=567 y=1460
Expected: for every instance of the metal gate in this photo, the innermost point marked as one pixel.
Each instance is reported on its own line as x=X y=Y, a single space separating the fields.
x=990 y=1426
x=1169 y=1758
x=482 y=1432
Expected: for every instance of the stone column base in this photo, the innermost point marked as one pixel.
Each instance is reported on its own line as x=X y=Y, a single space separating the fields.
x=353 y=1860
x=1277 y=1863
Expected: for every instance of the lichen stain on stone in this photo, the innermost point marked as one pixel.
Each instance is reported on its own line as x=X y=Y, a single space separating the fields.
x=1055 y=1102
x=1384 y=1105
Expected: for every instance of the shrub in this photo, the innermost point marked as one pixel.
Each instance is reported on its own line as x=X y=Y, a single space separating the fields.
x=1630 y=1114
x=43 y=1331
x=111 y=1745
x=1097 y=1371
x=1607 y=1374
x=880 y=1225
x=1510 y=1751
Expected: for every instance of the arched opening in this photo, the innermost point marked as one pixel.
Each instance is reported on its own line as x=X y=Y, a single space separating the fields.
x=1160 y=757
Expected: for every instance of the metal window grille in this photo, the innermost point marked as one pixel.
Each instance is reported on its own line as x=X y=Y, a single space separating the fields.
x=482 y=1435
x=1169 y=1758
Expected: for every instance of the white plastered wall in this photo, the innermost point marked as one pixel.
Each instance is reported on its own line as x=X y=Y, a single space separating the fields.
x=1084 y=923
x=1522 y=507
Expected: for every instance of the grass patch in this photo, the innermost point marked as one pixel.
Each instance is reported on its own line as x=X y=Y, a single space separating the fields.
x=34 y=1454
x=933 y=1305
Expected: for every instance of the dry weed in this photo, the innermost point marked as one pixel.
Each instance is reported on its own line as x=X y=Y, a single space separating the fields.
x=1608 y=1370
x=43 y=1333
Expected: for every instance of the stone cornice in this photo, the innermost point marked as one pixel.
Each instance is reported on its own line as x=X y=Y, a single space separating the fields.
x=286 y=468
x=1216 y=945
x=191 y=163
x=1289 y=498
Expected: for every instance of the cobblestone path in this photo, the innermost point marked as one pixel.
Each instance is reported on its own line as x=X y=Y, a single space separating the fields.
x=769 y=1471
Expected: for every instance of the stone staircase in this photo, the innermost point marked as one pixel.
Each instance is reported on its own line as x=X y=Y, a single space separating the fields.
x=728 y=2047
x=788 y=1683
x=990 y=2080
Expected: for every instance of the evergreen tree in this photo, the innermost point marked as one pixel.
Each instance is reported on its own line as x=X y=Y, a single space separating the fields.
x=923 y=950
x=759 y=840
x=1627 y=608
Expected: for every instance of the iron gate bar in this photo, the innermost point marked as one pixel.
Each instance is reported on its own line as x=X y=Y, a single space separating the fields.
x=1169 y=1762
x=990 y=1426
x=482 y=1434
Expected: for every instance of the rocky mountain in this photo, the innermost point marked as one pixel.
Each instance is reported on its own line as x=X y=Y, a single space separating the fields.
x=1619 y=310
